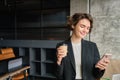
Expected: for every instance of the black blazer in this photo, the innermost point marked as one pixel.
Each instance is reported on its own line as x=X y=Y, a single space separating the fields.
x=89 y=57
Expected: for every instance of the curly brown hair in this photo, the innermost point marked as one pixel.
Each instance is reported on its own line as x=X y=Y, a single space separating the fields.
x=73 y=20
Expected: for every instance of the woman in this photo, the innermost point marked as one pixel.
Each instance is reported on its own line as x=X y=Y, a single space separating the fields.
x=78 y=59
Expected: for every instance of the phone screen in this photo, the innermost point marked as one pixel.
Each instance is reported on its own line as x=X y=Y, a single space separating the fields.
x=107 y=55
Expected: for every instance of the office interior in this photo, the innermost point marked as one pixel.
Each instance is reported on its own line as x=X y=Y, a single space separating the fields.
x=32 y=28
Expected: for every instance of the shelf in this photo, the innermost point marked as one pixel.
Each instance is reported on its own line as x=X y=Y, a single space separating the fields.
x=48 y=61
x=44 y=76
x=48 y=76
x=35 y=54
x=36 y=61
x=44 y=65
x=35 y=68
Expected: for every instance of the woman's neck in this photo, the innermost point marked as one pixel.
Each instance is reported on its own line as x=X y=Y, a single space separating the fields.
x=75 y=39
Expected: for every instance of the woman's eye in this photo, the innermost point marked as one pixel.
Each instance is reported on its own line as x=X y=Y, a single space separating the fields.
x=82 y=26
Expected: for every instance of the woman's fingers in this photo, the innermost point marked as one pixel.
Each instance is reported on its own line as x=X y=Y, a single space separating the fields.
x=102 y=64
x=61 y=52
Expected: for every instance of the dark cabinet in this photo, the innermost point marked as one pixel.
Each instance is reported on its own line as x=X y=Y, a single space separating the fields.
x=39 y=54
x=34 y=19
x=42 y=62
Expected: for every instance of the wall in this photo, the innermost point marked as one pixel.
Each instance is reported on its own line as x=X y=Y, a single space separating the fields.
x=106 y=31
x=78 y=6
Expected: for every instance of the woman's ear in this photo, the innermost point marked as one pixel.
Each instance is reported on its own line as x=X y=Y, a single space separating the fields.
x=72 y=26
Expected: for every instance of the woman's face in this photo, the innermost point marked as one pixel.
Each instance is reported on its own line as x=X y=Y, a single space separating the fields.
x=81 y=29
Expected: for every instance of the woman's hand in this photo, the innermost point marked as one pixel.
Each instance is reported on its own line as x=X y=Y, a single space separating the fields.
x=61 y=53
x=103 y=63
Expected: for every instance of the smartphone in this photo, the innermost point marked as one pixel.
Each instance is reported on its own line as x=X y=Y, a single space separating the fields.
x=107 y=55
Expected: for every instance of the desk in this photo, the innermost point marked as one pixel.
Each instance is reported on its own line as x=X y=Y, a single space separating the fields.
x=9 y=75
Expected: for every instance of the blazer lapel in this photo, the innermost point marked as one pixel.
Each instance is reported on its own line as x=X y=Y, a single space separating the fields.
x=71 y=55
x=83 y=55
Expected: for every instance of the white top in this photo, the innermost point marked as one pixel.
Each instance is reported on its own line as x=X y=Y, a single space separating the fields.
x=77 y=55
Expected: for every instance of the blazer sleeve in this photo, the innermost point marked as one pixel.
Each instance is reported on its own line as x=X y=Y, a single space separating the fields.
x=59 y=72
x=59 y=68
x=96 y=71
